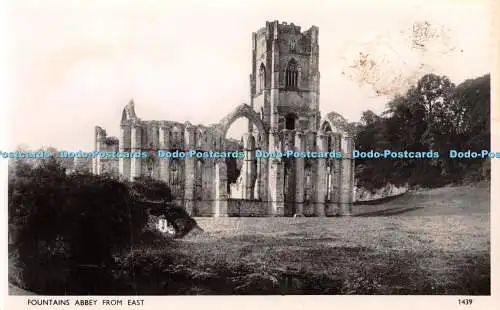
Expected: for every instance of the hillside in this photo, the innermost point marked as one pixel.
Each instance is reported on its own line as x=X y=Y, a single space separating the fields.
x=425 y=242
x=450 y=200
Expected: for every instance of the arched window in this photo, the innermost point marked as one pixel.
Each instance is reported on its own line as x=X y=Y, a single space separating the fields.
x=262 y=77
x=144 y=136
x=176 y=138
x=198 y=140
x=290 y=121
x=292 y=75
x=251 y=143
x=151 y=164
x=157 y=137
x=175 y=178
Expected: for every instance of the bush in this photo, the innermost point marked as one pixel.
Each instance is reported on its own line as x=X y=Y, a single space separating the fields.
x=149 y=189
x=68 y=227
x=66 y=230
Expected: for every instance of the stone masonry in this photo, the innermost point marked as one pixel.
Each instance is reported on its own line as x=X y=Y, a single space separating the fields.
x=283 y=114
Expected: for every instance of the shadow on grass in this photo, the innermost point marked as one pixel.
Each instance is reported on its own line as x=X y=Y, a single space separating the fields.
x=378 y=201
x=267 y=265
x=340 y=270
x=388 y=212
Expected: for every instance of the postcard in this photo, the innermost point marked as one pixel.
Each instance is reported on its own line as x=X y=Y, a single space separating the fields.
x=255 y=153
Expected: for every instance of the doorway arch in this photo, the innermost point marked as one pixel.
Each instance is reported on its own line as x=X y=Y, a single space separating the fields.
x=245 y=111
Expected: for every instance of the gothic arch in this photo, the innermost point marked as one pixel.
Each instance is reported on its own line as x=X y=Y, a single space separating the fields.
x=334 y=132
x=198 y=138
x=151 y=164
x=336 y=123
x=175 y=136
x=176 y=178
x=251 y=142
x=292 y=74
x=326 y=126
x=243 y=110
x=198 y=178
x=210 y=136
x=262 y=77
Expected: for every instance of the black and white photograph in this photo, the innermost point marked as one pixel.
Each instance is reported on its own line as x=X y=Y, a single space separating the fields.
x=165 y=148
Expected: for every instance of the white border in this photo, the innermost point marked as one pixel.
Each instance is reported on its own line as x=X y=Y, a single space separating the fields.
x=288 y=302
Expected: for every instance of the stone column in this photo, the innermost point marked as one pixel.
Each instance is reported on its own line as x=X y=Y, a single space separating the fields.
x=263 y=172
x=155 y=145
x=332 y=200
x=322 y=145
x=335 y=171
x=274 y=71
x=220 y=189
x=347 y=176
x=275 y=176
x=300 y=144
x=96 y=161
x=164 y=163
x=289 y=172
x=189 y=180
x=258 y=175
x=254 y=69
x=247 y=169
x=135 y=147
x=124 y=146
x=276 y=183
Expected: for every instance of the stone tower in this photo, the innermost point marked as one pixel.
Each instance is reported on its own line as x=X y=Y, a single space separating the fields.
x=283 y=116
x=285 y=76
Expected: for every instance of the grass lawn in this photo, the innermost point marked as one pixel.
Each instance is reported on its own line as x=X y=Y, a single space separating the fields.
x=426 y=242
x=430 y=242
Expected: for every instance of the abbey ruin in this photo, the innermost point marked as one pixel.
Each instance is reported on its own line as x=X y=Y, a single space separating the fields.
x=283 y=114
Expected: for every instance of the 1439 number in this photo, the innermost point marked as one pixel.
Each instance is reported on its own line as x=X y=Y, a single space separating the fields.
x=465 y=302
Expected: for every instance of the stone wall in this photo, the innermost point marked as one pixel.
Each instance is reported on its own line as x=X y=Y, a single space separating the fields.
x=204 y=208
x=242 y=207
x=330 y=209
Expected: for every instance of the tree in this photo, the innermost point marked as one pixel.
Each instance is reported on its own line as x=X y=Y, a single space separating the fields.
x=433 y=91
x=472 y=112
x=432 y=115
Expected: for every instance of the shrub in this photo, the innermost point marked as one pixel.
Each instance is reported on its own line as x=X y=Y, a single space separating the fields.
x=63 y=225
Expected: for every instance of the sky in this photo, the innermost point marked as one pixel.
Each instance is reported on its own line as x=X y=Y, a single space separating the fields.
x=75 y=64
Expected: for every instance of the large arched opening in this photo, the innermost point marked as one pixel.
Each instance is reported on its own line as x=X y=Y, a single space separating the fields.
x=333 y=167
x=248 y=136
